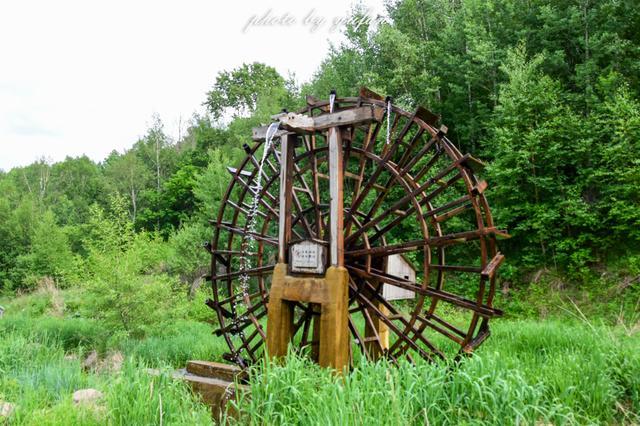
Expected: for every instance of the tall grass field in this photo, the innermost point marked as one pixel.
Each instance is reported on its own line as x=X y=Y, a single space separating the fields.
x=530 y=372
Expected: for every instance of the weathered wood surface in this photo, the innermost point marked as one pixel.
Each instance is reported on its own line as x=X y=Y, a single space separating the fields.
x=336 y=210
x=216 y=384
x=331 y=293
x=216 y=370
x=286 y=195
x=301 y=123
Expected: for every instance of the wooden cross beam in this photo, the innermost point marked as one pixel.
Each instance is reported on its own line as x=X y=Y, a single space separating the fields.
x=301 y=123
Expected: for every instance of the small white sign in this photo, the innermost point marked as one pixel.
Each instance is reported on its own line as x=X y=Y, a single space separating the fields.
x=399 y=267
x=307 y=257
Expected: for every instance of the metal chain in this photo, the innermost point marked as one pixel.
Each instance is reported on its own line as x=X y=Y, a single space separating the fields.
x=388 y=121
x=247 y=242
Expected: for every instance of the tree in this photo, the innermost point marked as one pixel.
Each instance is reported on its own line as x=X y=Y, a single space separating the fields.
x=126 y=175
x=158 y=155
x=75 y=184
x=537 y=150
x=121 y=289
x=50 y=253
x=237 y=91
x=615 y=184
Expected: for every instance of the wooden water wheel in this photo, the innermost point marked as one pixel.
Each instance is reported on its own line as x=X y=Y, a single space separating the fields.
x=418 y=240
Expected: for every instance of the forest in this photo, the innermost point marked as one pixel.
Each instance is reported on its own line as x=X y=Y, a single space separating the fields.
x=109 y=254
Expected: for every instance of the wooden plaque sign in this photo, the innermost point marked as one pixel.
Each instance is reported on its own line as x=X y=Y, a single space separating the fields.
x=307 y=257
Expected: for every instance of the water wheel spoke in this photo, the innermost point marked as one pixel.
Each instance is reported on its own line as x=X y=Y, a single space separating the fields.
x=273 y=241
x=408 y=324
x=371 y=182
x=409 y=246
x=410 y=197
x=244 y=209
x=447 y=324
x=399 y=165
x=296 y=201
x=260 y=270
x=444 y=332
x=426 y=198
x=451 y=298
x=359 y=339
x=264 y=192
x=257 y=333
x=241 y=322
x=231 y=299
x=394 y=328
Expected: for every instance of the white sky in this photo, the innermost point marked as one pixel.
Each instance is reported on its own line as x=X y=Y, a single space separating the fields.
x=85 y=77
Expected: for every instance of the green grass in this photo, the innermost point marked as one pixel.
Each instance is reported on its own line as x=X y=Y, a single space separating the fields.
x=36 y=377
x=560 y=371
x=178 y=343
x=529 y=372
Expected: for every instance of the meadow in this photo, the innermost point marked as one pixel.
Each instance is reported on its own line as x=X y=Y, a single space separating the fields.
x=99 y=255
x=552 y=371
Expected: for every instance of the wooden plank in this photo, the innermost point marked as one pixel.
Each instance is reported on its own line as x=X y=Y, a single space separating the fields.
x=301 y=123
x=479 y=188
x=336 y=209
x=427 y=116
x=260 y=270
x=243 y=232
x=490 y=270
x=367 y=93
x=260 y=133
x=439 y=241
x=472 y=163
x=214 y=392
x=284 y=223
x=233 y=171
x=216 y=370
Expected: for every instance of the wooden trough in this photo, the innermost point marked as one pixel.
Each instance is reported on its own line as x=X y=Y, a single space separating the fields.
x=216 y=384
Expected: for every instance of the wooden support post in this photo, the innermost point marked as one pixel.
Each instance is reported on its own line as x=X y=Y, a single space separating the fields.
x=287 y=144
x=334 y=327
x=280 y=315
x=336 y=210
x=331 y=292
x=377 y=330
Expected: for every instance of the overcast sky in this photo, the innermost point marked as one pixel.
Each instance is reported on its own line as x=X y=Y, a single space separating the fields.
x=85 y=77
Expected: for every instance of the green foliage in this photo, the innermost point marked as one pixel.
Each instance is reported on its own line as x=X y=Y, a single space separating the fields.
x=188 y=257
x=239 y=90
x=615 y=182
x=127 y=290
x=211 y=184
x=69 y=333
x=533 y=143
x=176 y=344
x=50 y=254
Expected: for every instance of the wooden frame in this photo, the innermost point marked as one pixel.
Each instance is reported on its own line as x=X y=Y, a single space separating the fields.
x=419 y=181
